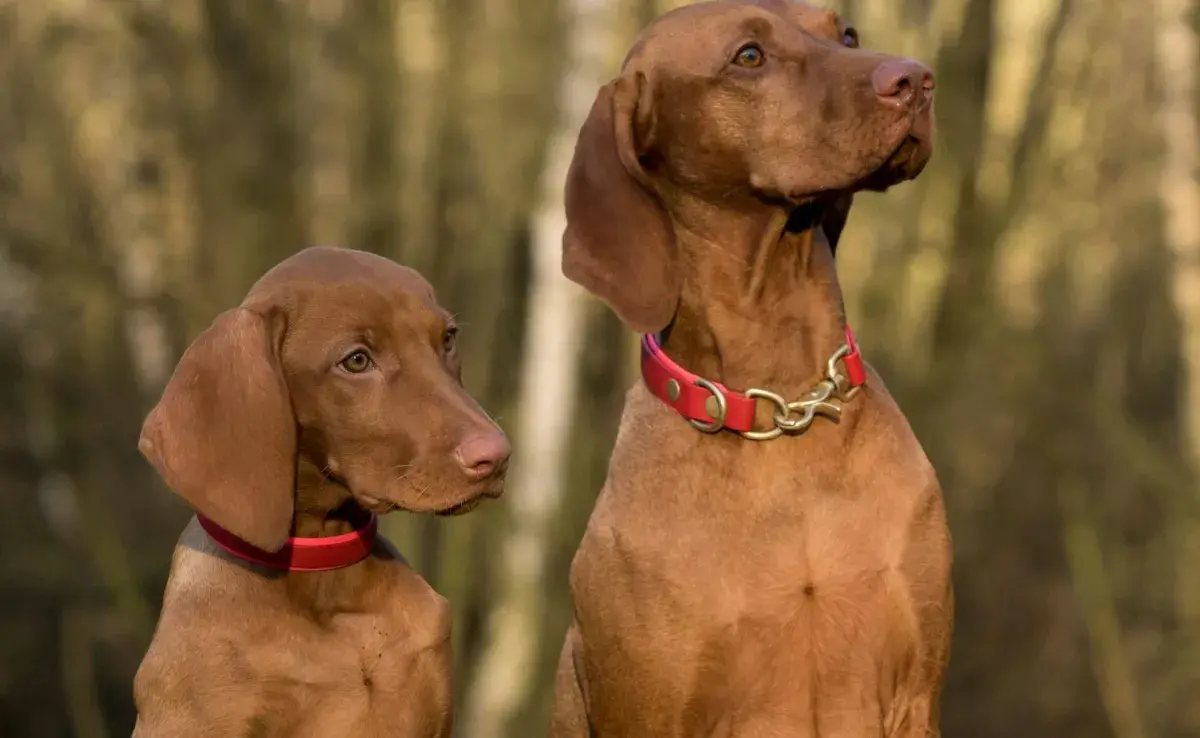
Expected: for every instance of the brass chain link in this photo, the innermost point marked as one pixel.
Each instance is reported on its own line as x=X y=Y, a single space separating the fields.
x=826 y=398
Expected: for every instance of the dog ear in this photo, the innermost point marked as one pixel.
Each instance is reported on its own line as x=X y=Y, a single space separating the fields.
x=619 y=243
x=833 y=222
x=223 y=435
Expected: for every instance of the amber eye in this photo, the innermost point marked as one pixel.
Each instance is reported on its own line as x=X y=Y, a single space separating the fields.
x=850 y=37
x=450 y=340
x=750 y=56
x=357 y=362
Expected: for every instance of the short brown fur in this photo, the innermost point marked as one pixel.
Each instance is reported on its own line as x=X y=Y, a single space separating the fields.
x=263 y=430
x=797 y=587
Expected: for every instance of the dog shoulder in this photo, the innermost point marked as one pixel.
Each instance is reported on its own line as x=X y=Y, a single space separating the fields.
x=427 y=615
x=186 y=681
x=405 y=596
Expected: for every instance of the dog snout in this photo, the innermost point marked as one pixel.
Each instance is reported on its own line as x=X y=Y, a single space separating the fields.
x=483 y=456
x=903 y=82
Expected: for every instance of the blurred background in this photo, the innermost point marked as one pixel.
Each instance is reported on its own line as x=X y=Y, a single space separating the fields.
x=1033 y=301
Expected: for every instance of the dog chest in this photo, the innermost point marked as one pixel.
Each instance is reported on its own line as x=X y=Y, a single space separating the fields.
x=726 y=625
x=368 y=675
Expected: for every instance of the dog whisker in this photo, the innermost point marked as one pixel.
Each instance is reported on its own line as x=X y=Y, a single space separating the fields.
x=421 y=492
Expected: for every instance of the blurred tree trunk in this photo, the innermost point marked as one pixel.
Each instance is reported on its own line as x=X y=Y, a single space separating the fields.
x=1178 y=53
x=79 y=676
x=1085 y=555
x=1179 y=187
x=966 y=68
x=550 y=371
x=159 y=154
x=377 y=161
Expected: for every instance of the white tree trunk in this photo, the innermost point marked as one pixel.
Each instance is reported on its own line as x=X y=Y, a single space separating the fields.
x=549 y=377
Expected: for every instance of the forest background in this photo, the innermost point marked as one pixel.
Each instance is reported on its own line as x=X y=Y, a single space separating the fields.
x=1033 y=301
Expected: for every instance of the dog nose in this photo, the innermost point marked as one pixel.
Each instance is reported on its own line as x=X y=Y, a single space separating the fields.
x=902 y=81
x=483 y=456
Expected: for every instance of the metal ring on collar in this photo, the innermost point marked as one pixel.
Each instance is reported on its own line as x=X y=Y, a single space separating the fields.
x=722 y=408
x=780 y=416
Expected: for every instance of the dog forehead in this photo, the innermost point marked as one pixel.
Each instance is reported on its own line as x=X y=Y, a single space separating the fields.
x=336 y=288
x=329 y=264
x=328 y=270
x=328 y=317
x=797 y=11
x=693 y=33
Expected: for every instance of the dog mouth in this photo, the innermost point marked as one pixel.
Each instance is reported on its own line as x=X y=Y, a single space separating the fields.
x=461 y=508
x=905 y=162
x=902 y=162
x=382 y=506
x=490 y=488
x=376 y=505
x=487 y=489
x=421 y=496
x=907 y=157
x=424 y=504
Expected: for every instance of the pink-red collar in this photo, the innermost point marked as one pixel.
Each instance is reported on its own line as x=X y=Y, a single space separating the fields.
x=301 y=554
x=692 y=396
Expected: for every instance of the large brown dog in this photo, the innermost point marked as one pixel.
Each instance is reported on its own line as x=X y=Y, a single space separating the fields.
x=332 y=394
x=797 y=585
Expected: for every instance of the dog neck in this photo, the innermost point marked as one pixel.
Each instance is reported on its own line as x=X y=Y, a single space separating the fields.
x=323 y=507
x=760 y=303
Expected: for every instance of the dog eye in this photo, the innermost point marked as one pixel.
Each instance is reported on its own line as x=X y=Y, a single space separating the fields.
x=749 y=56
x=357 y=362
x=450 y=339
x=850 y=37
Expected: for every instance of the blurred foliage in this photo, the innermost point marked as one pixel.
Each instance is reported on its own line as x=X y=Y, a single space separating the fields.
x=1024 y=298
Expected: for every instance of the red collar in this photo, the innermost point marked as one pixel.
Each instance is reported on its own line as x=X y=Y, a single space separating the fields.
x=699 y=400
x=301 y=554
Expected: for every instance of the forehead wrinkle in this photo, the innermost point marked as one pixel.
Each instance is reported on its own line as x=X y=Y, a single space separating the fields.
x=667 y=45
x=824 y=32
x=417 y=321
x=362 y=309
x=760 y=27
x=414 y=321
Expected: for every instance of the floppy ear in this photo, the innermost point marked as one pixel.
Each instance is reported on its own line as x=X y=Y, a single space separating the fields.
x=833 y=222
x=619 y=243
x=223 y=436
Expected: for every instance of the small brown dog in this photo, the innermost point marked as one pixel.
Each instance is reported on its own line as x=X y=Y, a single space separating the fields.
x=773 y=561
x=331 y=395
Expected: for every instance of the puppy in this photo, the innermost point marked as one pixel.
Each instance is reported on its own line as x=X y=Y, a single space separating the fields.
x=330 y=396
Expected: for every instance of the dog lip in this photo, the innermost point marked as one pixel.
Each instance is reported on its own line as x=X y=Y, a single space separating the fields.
x=495 y=488
x=375 y=504
x=474 y=494
x=461 y=508
x=899 y=164
x=486 y=489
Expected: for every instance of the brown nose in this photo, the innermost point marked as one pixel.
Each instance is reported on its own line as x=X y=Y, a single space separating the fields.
x=902 y=81
x=483 y=456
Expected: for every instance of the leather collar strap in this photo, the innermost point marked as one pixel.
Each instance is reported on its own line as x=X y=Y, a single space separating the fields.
x=301 y=554
x=689 y=394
